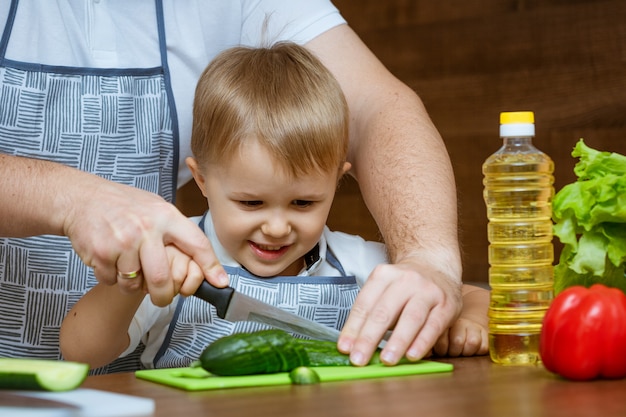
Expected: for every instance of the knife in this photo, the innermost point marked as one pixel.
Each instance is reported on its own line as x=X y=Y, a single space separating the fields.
x=234 y=306
x=29 y=400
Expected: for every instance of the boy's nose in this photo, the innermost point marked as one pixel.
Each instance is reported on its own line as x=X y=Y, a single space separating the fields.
x=276 y=227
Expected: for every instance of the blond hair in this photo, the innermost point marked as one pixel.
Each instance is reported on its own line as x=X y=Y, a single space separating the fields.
x=281 y=95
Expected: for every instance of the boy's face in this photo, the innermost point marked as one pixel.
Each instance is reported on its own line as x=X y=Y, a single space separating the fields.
x=265 y=219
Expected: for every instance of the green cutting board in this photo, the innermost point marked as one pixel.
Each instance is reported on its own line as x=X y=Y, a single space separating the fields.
x=197 y=379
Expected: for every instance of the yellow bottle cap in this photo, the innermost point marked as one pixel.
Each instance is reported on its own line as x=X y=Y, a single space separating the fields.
x=517 y=124
x=510 y=117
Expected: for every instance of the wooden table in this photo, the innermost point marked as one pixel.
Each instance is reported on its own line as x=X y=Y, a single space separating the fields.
x=475 y=388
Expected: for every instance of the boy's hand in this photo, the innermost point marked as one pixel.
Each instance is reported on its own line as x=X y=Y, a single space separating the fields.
x=186 y=273
x=465 y=338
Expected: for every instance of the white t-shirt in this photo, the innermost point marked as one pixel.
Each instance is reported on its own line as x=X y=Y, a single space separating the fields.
x=123 y=34
x=357 y=256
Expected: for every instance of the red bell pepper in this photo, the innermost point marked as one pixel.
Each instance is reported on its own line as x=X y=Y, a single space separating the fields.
x=584 y=333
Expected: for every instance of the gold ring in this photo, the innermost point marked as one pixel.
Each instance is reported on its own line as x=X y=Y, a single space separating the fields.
x=128 y=275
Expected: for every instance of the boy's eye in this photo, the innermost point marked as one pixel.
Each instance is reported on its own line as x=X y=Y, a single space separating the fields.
x=251 y=203
x=302 y=203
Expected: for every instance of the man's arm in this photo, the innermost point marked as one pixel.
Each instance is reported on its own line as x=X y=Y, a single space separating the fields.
x=112 y=227
x=407 y=182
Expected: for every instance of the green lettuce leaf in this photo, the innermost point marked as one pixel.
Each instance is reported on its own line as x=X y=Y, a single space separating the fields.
x=590 y=220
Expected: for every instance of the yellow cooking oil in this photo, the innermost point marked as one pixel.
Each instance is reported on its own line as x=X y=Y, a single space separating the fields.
x=518 y=191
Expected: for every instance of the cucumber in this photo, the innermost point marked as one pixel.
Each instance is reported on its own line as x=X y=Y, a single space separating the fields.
x=303 y=375
x=269 y=351
x=262 y=352
x=41 y=374
x=325 y=353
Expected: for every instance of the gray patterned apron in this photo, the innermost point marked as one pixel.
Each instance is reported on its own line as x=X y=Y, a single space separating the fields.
x=117 y=123
x=324 y=299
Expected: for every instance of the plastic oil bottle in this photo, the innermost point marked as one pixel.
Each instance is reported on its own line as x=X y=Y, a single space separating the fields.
x=518 y=191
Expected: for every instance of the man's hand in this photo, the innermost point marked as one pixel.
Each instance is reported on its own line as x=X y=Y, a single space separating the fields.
x=418 y=304
x=117 y=228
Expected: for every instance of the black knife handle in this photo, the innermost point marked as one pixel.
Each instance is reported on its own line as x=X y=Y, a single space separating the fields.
x=219 y=297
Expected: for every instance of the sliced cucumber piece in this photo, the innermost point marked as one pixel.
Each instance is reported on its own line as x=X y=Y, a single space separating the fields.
x=303 y=375
x=41 y=374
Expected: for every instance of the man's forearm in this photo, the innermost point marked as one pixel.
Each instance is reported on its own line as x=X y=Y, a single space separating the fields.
x=397 y=155
x=407 y=180
x=31 y=195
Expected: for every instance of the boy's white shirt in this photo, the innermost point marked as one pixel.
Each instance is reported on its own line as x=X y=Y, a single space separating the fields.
x=357 y=256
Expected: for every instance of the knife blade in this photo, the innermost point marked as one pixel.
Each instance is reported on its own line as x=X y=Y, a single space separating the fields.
x=29 y=400
x=234 y=306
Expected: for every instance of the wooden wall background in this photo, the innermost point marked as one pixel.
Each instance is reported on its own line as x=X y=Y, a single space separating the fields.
x=471 y=59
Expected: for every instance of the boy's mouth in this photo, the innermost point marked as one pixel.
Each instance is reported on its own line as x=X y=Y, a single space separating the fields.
x=268 y=252
x=268 y=247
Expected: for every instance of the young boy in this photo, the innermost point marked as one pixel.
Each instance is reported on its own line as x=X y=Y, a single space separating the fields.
x=269 y=139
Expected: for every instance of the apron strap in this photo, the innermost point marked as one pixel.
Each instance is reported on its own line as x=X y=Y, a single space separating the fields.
x=170 y=93
x=170 y=331
x=7 y=29
x=334 y=262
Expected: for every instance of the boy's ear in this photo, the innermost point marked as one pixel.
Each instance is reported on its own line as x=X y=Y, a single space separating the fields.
x=345 y=168
x=343 y=171
x=197 y=174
